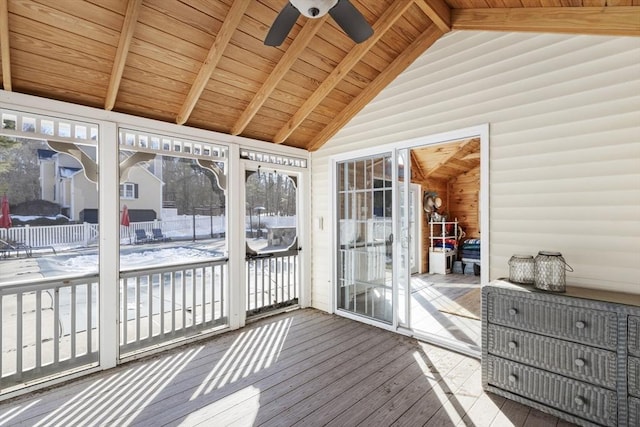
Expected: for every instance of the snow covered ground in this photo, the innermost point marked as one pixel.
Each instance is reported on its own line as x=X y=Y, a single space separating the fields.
x=85 y=261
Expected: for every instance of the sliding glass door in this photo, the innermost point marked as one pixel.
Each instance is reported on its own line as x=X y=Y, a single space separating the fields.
x=365 y=237
x=383 y=244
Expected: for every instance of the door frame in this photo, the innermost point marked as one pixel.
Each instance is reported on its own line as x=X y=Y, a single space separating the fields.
x=333 y=180
x=303 y=209
x=479 y=131
x=416 y=230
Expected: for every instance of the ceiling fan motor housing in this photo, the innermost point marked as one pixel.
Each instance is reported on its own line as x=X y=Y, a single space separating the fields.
x=313 y=8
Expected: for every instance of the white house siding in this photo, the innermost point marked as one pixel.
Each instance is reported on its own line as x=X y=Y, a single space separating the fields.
x=564 y=116
x=82 y=193
x=149 y=191
x=47 y=180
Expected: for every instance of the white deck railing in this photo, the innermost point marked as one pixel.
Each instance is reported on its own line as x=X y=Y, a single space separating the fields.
x=182 y=227
x=167 y=303
x=272 y=281
x=57 y=236
x=51 y=328
x=47 y=328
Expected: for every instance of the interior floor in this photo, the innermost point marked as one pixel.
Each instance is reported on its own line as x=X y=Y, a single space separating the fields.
x=447 y=305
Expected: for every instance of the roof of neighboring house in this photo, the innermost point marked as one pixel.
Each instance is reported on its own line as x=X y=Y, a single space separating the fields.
x=45 y=154
x=204 y=64
x=66 y=172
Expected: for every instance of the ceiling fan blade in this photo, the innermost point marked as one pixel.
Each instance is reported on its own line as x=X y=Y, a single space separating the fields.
x=351 y=21
x=283 y=23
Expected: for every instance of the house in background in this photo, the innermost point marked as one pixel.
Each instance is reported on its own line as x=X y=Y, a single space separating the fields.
x=141 y=191
x=63 y=181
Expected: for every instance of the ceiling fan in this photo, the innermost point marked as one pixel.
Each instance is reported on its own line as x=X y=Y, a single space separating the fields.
x=342 y=11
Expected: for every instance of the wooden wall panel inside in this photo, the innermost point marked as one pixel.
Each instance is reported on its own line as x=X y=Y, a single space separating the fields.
x=464 y=199
x=441 y=188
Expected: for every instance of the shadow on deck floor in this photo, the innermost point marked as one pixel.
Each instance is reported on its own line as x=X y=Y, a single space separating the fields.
x=304 y=367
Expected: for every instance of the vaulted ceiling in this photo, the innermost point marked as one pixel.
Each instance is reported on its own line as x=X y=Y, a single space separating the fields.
x=445 y=161
x=202 y=63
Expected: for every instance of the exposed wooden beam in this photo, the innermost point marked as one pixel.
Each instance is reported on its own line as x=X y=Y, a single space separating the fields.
x=386 y=21
x=129 y=25
x=471 y=156
x=299 y=44
x=438 y=11
x=610 y=20
x=415 y=165
x=236 y=12
x=402 y=61
x=445 y=160
x=4 y=45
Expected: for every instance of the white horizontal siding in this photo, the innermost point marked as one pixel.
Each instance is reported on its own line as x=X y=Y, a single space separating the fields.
x=564 y=115
x=322 y=250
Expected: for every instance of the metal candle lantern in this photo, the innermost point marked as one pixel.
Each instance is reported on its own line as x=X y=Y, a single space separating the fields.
x=521 y=269
x=550 y=271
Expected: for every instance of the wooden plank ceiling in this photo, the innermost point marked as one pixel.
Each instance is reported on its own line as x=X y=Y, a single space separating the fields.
x=202 y=63
x=445 y=161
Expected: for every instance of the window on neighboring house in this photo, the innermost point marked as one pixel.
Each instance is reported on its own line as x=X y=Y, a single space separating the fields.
x=129 y=190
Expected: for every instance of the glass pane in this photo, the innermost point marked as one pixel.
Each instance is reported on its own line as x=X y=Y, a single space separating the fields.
x=340 y=174
x=365 y=239
x=53 y=210
x=404 y=235
x=171 y=210
x=359 y=174
x=48 y=244
x=271 y=203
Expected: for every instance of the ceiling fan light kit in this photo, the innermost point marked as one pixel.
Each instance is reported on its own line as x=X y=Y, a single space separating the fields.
x=313 y=8
x=343 y=12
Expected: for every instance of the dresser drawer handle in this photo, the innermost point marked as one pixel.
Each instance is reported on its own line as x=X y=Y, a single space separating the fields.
x=579 y=362
x=512 y=345
x=580 y=324
x=580 y=401
x=513 y=311
x=513 y=378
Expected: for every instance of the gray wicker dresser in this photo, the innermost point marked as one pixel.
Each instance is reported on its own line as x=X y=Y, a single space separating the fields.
x=575 y=355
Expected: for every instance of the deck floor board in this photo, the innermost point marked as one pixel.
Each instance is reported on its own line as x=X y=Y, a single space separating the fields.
x=301 y=368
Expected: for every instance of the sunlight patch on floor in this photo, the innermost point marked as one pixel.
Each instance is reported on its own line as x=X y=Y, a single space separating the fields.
x=447 y=305
x=442 y=391
x=250 y=401
x=251 y=352
x=108 y=401
x=6 y=418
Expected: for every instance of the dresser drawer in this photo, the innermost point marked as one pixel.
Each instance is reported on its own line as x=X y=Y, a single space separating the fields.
x=634 y=411
x=538 y=313
x=577 y=361
x=634 y=335
x=583 y=400
x=634 y=376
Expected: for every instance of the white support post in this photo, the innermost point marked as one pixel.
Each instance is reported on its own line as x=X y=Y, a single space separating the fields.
x=86 y=231
x=304 y=227
x=235 y=239
x=109 y=243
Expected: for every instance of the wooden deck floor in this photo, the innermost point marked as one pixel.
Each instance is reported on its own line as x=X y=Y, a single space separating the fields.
x=303 y=368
